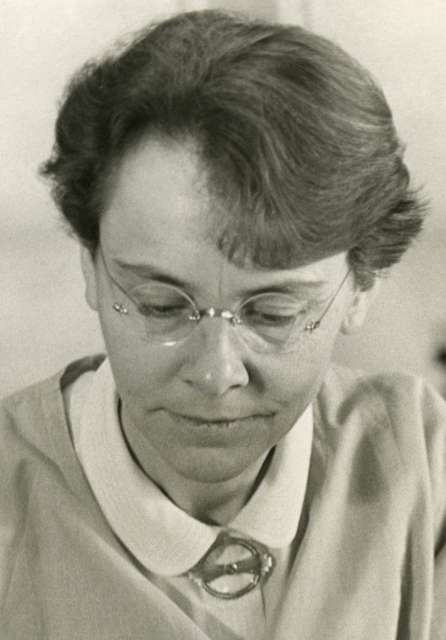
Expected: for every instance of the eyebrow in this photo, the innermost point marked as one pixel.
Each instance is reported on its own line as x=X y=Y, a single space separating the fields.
x=152 y=273
x=288 y=285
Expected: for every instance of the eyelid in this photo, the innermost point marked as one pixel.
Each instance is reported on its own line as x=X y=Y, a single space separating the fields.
x=146 y=273
x=132 y=291
x=293 y=299
x=305 y=297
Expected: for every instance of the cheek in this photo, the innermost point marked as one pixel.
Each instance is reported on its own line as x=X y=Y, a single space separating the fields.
x=292 y=382
x=141 y=370
x=297 y=376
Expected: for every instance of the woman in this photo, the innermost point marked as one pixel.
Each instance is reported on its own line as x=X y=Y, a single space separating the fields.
x=237 y=188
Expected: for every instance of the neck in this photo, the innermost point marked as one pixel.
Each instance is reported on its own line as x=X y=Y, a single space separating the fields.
x=213 y=503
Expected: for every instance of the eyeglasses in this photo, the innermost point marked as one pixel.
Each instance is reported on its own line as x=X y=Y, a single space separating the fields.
x=267 y=322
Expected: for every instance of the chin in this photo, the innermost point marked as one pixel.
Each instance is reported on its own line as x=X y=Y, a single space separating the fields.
x=212 y=466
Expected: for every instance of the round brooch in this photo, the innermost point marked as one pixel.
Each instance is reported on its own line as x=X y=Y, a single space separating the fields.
x=232 y=567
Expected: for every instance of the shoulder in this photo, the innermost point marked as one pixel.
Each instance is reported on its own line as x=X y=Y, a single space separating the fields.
x=28 y=416
x=35 y=447
x=397 y=418
x=398 y=400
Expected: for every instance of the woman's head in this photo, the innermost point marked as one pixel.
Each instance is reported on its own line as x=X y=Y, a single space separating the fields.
x=295 y=139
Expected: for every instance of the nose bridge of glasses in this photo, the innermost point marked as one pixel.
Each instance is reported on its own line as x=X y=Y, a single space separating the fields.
x=226 y=316
x=216 y=312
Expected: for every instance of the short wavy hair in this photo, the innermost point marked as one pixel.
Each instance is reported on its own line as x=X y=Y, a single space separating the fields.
x=296 y=139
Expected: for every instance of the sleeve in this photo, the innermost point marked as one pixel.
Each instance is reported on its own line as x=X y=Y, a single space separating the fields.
x=19 y=615
x=435 y=423
x=11 y=506
x=439 y=614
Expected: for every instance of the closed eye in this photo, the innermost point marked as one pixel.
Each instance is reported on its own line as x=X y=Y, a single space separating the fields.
x=272 y=317
x=268 y=319
x=163 y=311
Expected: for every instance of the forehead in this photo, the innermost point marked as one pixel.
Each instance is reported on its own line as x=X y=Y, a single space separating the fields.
x=156 y=192
x=160 y=213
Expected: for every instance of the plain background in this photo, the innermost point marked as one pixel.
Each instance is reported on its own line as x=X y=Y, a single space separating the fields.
x=44 y=321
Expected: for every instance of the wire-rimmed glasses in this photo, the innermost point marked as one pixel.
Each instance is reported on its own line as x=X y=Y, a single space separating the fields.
x=267 y=322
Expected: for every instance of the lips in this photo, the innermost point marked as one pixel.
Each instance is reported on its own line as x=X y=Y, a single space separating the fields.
x=218 y=421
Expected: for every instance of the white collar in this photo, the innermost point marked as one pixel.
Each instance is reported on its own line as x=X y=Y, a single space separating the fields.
x=165 y=539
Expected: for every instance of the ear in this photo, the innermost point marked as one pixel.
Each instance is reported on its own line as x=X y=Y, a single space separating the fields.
x=90 y=278
x=359 y=306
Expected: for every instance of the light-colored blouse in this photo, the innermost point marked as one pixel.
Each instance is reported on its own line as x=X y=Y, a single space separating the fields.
x=167 y=541
x=368 y=559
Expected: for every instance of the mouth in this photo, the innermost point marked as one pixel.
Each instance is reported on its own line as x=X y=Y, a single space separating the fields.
x=219 y=422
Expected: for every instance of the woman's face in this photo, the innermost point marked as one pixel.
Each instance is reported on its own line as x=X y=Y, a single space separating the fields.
x=208 y=406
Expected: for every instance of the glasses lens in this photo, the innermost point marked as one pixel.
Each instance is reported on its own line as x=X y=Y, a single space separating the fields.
x=275 y=318
x=269 y=322
x=167 y=312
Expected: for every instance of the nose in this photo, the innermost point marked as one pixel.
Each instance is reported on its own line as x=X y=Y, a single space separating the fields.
x=215 y=358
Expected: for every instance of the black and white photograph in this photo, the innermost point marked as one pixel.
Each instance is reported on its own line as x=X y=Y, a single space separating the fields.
x=223 y=324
